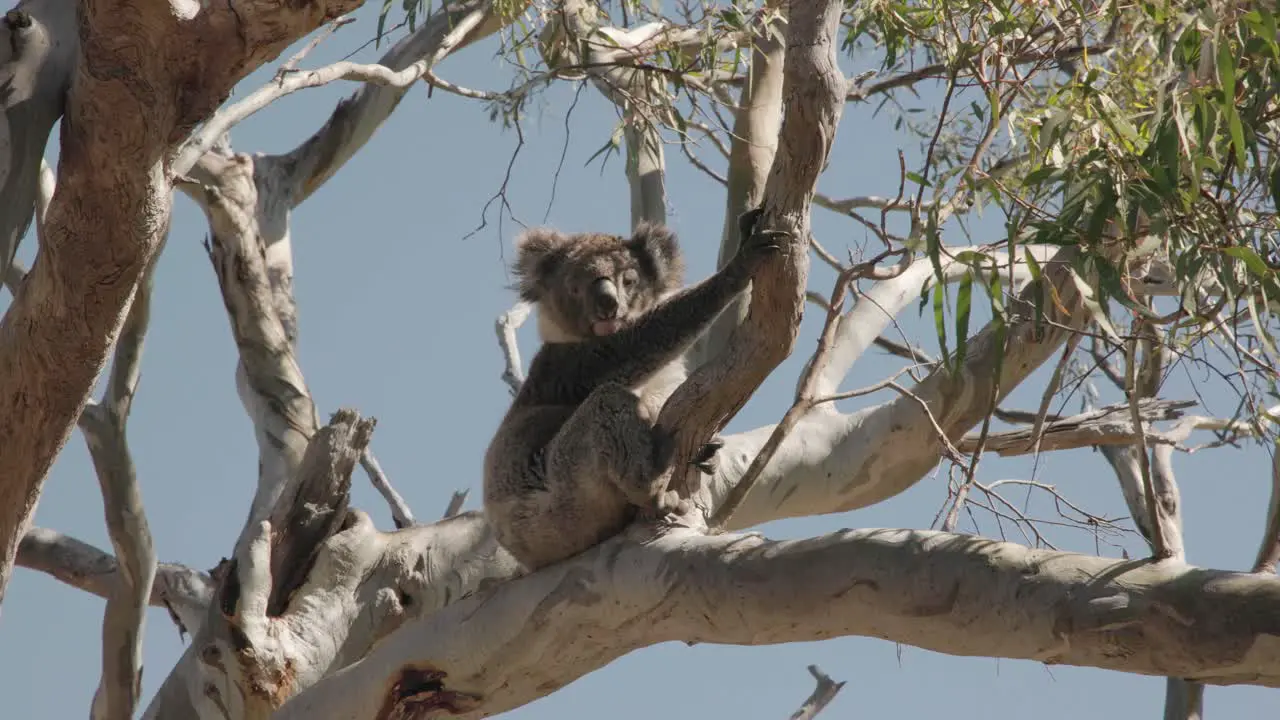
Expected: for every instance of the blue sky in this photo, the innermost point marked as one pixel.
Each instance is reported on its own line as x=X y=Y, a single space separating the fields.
x=396 y=312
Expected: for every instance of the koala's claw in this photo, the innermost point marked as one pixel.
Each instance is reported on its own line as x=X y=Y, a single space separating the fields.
x=707 y=459
x=747 y=221
x=761 y=241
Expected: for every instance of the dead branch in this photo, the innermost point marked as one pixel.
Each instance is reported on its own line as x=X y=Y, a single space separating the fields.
x=1107 y=425
x=506 y=326
x=455 y=503
x=273 y=566
x=822 y=696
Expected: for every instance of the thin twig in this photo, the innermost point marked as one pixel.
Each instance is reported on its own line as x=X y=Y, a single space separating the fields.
x=805 y=396
x=803 y=403
x=948 y=448
x=400 y=512
x=1055 y=381
x=291 y=64
x=904 y=351
x=825 y=255
x=862 y=91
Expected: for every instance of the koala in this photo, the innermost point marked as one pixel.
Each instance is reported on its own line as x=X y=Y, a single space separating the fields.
x=577 y=456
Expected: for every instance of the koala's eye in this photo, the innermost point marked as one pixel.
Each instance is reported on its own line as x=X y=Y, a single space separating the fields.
x=629 y=279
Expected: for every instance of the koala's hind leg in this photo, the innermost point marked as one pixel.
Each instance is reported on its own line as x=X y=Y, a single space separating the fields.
x=608 y=440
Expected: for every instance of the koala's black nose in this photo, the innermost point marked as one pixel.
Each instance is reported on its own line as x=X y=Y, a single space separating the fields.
x=605 y=295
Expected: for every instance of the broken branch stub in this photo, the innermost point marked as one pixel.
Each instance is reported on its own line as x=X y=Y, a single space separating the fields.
x=813 y=94
x=314 y=508
x=246 y=662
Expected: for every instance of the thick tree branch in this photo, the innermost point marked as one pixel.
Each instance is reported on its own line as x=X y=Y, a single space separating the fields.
x=955 y=594
x=354 y=121
x=143 y=80
x=1269 y=547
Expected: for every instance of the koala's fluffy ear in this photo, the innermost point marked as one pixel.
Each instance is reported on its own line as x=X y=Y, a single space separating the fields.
x=658 y=250
x=539 y=252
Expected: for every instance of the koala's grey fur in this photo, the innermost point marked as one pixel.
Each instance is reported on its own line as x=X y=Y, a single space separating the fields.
x=577 y=455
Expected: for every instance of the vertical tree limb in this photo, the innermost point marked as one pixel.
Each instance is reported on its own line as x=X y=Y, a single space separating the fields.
x=1269 y=547
x=104 y=427
x=268 y=377
x=1150 y=488
x=39 y=52
x=752 y=147
x=814 y=92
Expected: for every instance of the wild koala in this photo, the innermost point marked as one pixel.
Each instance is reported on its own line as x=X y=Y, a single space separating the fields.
x=577 y=455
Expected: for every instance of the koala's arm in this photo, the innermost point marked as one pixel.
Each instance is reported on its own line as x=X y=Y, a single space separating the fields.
x=659 y=337
x=565 y=373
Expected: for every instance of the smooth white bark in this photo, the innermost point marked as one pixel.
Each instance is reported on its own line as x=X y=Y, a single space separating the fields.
x=955 y=594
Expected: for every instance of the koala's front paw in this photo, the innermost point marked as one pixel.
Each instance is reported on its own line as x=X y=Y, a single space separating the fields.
x=747 y=222
x=755 y=246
